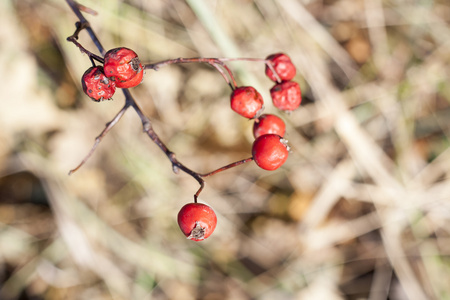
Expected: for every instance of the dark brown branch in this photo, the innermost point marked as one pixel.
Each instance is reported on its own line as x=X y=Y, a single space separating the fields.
x=84 y=24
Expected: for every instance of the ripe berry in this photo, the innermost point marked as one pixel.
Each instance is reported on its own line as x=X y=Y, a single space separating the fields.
x=96 y=85
x=124 y=67
x=197 y=221
x=268 y=123
x=283 y=67
x=270 y=151
x=286 y=95
x=247 y=101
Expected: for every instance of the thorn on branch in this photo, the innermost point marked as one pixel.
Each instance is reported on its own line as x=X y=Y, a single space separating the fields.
x=86 y=9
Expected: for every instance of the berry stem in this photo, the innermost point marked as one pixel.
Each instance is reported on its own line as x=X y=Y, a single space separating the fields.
x=84 y=50
x=265 y=61
x=270 y=66
x=215 y=62
x=229 y=166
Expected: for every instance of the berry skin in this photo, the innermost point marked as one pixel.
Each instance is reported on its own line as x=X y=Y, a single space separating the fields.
x=247 y=101
x=268 y=123
x=96 y=85
x=286 y=96
x=270 y=151
x=197 y=221
x=283 y=67
x=124 y=67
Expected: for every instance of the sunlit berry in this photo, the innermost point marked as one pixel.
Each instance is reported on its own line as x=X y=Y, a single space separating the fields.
x=270 y=151
x=124 y=67
x=197 y=221
x=247 y=101
x=286 y=95
x=268 y=123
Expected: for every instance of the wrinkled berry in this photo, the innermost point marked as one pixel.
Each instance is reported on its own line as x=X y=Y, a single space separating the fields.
x=283 y=67
x=96 y=85
x=286 y=95
x=124 y=67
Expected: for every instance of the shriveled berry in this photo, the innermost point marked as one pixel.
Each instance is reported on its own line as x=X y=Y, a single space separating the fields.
x=282 y=65
x=197 y=221
x=96 y=85
x=270 y=151
x=124 y=67
x=286 y=95
x=247 y=101
x=268 y=123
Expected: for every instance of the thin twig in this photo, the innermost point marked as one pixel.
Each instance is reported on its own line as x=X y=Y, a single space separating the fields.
x=215 y=62
x=99 y=138
x=229 y=166
x=84 y=50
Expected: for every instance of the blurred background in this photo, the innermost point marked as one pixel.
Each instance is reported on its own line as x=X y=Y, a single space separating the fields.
x=361 y=209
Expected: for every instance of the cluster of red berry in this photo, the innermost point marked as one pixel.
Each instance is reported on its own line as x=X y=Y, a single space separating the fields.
x=270 y=150
x=123 y=69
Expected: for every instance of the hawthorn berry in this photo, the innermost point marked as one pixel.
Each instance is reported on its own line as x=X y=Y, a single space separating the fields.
x=282 y=65
x=96 y=85
x=286 y=95
x=247 y=101
x=270 y=151
x=197 y=221
x=124 y=67
x=268 y=123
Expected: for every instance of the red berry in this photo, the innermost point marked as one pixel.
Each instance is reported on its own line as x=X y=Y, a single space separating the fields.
x=96 y=85
x=197 y=221
x=124 y=67
x=270 y=151
x=286 y=95
x=247 y=102
x=282 y=65
x=268 y=123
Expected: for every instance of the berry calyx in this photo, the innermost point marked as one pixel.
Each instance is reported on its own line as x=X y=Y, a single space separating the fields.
x=282 y=65
x=124 y=67
x=197 y=221
x=267 y=124
x=270 y=151
x=286 y=95
x=96 y=85
x=247 y=101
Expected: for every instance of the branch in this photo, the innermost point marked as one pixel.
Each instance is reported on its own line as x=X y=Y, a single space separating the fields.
x=84 y=24
x=218 y=64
